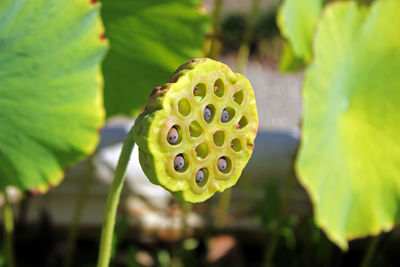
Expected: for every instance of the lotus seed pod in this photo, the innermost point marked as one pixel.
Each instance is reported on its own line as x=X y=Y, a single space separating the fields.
x=224 y=116
x=221 y=164
x=173 y=136
x=179 y=162
x=197 y=131
x=207 y=114
x=199 y=176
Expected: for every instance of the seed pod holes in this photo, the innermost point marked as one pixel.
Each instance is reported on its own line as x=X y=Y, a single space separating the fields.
x=238 y=97
x=207 y=114
x=195 y=129
x=224 y=116
x=199 y=91
x=173 y=136
x=219 y=138
x=219 y=88
x=179 y=163
x=227 y=114
x=199 y=176
x=222 y=164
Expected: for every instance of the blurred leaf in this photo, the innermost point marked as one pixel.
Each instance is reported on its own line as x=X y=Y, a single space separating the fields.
x=163 y=258
x=297 y=21
x=289 y=236
x=50 y=99
x=289 y=62
x=149 y=40
x=350 y=155
x=268 y=207
x=190 y=244
x=2 y=257
x=131 y=257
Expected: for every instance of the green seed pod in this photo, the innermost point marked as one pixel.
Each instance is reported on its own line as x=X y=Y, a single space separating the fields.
x=197 y=131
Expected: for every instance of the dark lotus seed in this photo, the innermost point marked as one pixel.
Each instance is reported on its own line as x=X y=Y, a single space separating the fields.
x=207 y=114
x=195 y=89
x=179 y=162
x=224 y=116
x=221 y=164
x=199 y=176
x=172 y=136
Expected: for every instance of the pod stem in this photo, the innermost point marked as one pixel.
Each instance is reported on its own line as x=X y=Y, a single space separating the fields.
x=273 y=242
x=113 y=200
x=8 y=231
x=244 y=50
x=366 y=262
x=216 y=34
x=223 y=207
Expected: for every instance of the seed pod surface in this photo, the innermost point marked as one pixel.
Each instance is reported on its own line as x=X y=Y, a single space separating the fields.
x=217 y=128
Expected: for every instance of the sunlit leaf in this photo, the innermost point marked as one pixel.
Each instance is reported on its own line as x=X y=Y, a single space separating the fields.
x=149 y=40
x=50 y=89
x=289 y=62
x=350 y=155
x=297 y=21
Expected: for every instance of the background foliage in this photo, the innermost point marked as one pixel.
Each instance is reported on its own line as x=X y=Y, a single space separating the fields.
x=50 y=91
x=148 y=39
x=349 y=157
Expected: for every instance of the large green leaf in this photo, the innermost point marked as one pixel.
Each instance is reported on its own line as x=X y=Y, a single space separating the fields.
x=50 y=88
x=297 y=21
x=350 y=154
x=149 y=40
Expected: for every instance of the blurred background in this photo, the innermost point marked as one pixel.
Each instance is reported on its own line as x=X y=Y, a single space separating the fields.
x=265 y=220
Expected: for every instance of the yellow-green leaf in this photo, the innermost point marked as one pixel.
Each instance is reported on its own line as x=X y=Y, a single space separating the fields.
x=349 y=159
x=50 y=89
x=297 y=21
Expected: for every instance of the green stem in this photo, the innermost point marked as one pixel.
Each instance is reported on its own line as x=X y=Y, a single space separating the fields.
x=273 y=243
x=113 y=200
x=223 y=208
x=8 y=229
x=177 y=252
x=186 y=208
x=78 y=210
x=370 y=251
x=216 y=20
x=244 y=50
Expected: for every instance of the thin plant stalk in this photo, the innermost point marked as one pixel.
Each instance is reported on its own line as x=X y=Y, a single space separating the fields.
x=78 y=210
x=273 y=243
x=8 y=231
x=186 y=209
x=177 y=252
x=225 y=199
x=216 y=34
x=244 y=50
x=113 y=201
x=223 y=208
x=366 y=262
